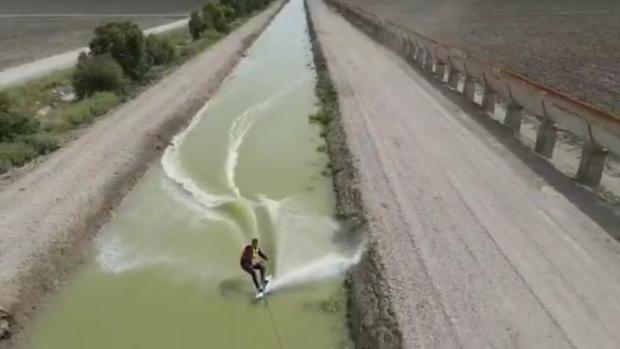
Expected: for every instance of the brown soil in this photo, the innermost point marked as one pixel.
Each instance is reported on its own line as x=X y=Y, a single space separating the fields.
x=572 y=46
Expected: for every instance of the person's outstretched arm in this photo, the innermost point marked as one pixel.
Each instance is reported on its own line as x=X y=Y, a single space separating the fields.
x=262 y=255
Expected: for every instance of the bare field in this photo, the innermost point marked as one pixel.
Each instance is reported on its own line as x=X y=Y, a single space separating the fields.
x=572 y=46
x=97 y=7
x=26 y=39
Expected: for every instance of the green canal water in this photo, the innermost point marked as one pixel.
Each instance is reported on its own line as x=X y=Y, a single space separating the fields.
x=165 y=270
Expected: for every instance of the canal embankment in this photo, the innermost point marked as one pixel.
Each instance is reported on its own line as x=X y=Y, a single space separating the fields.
x=369 y=309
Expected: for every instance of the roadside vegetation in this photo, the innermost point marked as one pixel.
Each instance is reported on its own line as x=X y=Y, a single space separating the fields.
x=38 y=117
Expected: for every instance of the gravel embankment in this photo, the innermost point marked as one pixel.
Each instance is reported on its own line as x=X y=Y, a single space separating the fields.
x=476 y=242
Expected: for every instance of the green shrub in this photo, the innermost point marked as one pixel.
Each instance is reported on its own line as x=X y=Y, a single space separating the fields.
x=214 y=16
x=321 y=117
x=125 y=42
x=102 y=102
x=15 y=154
x=13 y=125
x=96 y=74
x=42 y=142
x=229 y=13
x=5 y=102
x=160 y=51
x=82 y=112
x=196 y=25
x=241 y=7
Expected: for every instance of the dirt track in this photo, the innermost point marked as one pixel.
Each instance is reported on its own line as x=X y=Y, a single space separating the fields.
x=475 y=249
x=51 y=210
x=572 y=46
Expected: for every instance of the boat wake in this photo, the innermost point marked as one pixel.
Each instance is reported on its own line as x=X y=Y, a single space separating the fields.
x=303 y=243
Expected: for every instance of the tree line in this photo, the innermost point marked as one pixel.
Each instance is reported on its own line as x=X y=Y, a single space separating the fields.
x=120 y=54
x=217 y=15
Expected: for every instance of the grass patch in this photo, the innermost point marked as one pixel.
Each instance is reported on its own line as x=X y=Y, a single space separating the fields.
x=42 y=142
x=29 y=98
x=70 y=116
x=15 y=154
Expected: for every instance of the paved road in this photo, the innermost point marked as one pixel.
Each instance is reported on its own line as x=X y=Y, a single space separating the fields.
x=479 y=250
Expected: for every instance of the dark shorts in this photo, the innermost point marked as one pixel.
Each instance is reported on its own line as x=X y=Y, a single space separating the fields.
x=249 y=267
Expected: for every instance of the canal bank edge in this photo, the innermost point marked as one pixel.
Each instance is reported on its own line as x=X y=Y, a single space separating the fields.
x=370 y=315
x=50 y=265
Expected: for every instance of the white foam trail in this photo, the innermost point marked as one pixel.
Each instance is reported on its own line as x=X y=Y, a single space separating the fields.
x=330 y=266
x=242 y=125
x=179 y=195
x=306 y=251
x=116 y=256
x=174 y=170
x=273 y=207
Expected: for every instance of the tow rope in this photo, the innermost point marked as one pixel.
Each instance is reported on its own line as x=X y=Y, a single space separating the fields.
x=273 y=322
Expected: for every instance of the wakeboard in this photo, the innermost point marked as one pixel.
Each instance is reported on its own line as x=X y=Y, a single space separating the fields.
x=266 y=290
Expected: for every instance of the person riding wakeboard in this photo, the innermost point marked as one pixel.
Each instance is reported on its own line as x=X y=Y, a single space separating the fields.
x=251 y=261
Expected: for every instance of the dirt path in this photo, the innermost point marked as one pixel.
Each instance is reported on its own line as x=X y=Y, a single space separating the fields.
x=47 y=212
x=478 y=250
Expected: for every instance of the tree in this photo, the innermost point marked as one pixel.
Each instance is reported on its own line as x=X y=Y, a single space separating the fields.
x=160 y=51
x=13 y=124
x=196 y=25
x=229 y=13
x=97 y=73
x=214 y=16
x=5 y=102
x=125 y=42
x=241 y=6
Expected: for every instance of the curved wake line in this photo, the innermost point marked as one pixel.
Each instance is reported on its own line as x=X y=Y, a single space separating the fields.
x=174 y=170
x=242 y=125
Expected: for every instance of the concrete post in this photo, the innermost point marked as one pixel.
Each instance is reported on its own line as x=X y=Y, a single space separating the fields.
x=514 y=114
x=417 y=56
x=545 y=138
x=440 y=70
x=488 y=100
x=446 y=73
x=424 y=58
x=454 y=78
x=591 y=165
x=429 y=61
x=469 y=88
